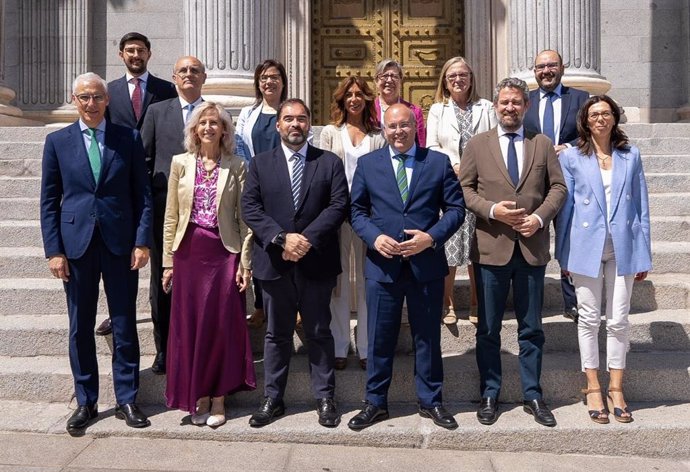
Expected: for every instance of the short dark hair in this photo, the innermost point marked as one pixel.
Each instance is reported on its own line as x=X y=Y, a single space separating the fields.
x=260 y=69
x=293 y=101
x=619 y=140
x=133 y=36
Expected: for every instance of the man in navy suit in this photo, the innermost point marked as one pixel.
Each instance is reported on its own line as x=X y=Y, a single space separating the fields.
x=131 y=95
x=295 y=199
x=553 y=112
x=96 y=222
x=404 y=234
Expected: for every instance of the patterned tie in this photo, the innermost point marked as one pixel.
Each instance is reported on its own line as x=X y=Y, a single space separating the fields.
x=94 y=155
x=297 y=171
x=512 y=159
x=401 y=176
x=548 y=125
x=136 y=97
x=190 y=109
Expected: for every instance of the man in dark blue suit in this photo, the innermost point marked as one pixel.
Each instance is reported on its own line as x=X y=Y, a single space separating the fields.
x=404 y=234
x=96 y=221
x=295 y=199
x=553 y=112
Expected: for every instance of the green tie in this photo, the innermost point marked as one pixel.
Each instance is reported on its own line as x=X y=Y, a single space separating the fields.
x=401 y=176
x=94 y=155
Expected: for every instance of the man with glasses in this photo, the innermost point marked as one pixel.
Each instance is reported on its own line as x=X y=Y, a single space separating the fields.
x=131 y=95
x=96 y=222
x=398 y=193
x=553 y=112
x=163 y=136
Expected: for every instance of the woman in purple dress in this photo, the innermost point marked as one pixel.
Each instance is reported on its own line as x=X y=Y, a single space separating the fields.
x=206 y=250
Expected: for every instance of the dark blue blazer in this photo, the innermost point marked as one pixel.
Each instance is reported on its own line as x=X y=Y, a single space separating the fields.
x=73 y=203
x=377 y=208
x=571 y=101
x=120 y=109
x=268 y=209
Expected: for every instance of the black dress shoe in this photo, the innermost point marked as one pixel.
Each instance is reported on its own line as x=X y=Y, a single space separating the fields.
x=132 y=415
x=369 y=415
x=571 y=313
x=439 y=415
x=158 y=366
x=104 y=328
x=540 y=411
x=81 y=417
x=488 y=411
x=328 y=412
x=269 y=409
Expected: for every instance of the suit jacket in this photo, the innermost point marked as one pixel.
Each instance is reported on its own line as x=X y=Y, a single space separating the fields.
x=485 y=181
x=120 y=109
x=581 y=224
x=420 y=137
x=571 y=101
x=377 y=208
x=233 y=231
x=163 y=137
x=268 y=209
x=73 y=203
x=330 y=140
x=443 y=130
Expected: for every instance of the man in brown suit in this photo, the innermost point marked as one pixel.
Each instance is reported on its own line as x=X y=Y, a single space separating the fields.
x=512 y=181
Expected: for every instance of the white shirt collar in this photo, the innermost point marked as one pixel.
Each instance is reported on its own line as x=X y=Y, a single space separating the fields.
x=143 y=77
x=101 y=126
x=501 y=132
x=184 y=102
x=410 y=152
x=289 y=152
x=557 y=91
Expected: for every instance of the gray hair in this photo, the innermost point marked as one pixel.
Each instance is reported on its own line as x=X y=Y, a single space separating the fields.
x=514 y=83
x=191 y=141
x=387 y=63
x=89 y=77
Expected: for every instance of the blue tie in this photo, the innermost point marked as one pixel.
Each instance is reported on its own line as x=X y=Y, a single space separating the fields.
x=548 y=125
x=296 y=181
x=512 y=159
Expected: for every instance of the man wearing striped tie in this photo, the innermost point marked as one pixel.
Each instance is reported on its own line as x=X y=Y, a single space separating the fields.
x=295 y=199
x=398 y=193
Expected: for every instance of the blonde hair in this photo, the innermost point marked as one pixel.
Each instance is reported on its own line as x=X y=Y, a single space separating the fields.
x=442 y=92
x=192 y=143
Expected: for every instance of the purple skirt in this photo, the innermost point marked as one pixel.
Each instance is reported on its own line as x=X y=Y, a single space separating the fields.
x=209 y=354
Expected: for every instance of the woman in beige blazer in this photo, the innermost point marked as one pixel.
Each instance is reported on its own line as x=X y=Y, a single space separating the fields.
x=206 y=248
x=354 y=132
x=457 y=115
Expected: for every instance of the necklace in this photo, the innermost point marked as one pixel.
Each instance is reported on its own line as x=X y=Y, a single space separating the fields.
x=208 y=172
x=603 y=159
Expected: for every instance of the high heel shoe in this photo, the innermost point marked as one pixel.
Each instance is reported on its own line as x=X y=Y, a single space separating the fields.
x=217 y=416
x=202 y=411
x=618 y=412
x=598 y=416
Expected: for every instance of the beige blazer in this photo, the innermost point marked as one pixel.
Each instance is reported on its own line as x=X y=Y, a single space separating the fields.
x=485 y=181
x=443 y=131
x=236 y=236
x=330 y=140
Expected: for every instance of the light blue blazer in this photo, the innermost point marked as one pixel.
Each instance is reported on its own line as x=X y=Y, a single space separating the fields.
x=581 y=223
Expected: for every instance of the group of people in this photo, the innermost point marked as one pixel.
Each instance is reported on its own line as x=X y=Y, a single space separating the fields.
x=151 y=170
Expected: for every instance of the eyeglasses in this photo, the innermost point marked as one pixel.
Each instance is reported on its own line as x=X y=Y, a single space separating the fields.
x=273 y=78
x=84 y=98
x=594 y=116
x=188 y=71
x=404 y=126
x=548 y=65
x=387 y=77
x=454 y=77
x=133 y=51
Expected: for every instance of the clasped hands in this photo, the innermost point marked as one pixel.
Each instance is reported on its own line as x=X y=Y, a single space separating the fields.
x=389 y=247
x=296 y=247
x=517 y=218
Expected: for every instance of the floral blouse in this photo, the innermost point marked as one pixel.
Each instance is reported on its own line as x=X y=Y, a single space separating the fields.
x=205 y=190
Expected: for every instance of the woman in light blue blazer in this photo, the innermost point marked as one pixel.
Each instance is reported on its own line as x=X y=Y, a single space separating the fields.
x=603 y=239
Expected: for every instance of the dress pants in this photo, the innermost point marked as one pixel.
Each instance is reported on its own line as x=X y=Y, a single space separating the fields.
x=493 y=284
x=160 y=301
x=283 y=298
x=424 y=307
x=120 y=284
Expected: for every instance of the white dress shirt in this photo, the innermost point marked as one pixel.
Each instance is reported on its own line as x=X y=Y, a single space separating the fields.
x=556 y=101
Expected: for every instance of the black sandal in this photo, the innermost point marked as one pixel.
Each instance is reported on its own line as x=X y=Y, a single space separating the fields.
x=618 y=412
x=598 y=416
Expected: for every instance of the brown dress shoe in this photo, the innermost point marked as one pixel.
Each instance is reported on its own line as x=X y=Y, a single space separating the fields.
x=104 y=328
x=256 y=319
x=363 y=364
x=340 y=363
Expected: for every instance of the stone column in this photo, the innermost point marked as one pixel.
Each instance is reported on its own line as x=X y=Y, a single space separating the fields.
x=479 y=44
x=298 y=49
x=571 y=27
x=231 y=38
x=684 y=111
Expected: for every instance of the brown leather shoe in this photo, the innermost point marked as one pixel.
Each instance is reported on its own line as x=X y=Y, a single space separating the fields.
x=340 y=363
x=104 y=328
x=256 y=319
x=363 y=364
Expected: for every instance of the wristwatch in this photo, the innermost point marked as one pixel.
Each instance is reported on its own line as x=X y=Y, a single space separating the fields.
x=279 y=240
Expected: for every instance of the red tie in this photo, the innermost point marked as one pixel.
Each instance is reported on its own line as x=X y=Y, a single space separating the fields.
x=136 y=98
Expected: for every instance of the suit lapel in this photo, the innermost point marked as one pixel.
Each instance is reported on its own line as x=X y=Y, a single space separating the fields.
x=280 y=167
x=122 y=95
x=477 y=112
x=495 y=151
x=223 y=174
x=419 y=163
x=81 y=155
x=150 y=92
x=618 y=177
x=311 y=163
x=175 y=113
x=528 y=153
x=565 y=106
x=590 y=167
x=108 y=152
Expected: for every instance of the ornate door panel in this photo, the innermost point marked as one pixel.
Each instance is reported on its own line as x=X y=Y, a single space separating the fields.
x=352 y=36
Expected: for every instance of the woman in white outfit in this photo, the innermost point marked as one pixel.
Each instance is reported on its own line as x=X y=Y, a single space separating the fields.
x=457 y=115
x=603 y=240
x=354 y=132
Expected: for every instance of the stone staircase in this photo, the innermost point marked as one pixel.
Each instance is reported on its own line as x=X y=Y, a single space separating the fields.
x=35 y=375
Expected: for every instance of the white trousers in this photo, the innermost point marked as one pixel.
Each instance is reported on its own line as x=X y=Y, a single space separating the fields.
x=350 y=246
x=589 y=298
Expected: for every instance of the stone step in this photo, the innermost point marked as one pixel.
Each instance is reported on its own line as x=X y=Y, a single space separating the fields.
x=20 y=167
x=650 y=376
x=668 y=182
x=661 y=330
x=28 y=134
x=662 y=145
x=662 y=163
x=660 y=430
x=657 y=130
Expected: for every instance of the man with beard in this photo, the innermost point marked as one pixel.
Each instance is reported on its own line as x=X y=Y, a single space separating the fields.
x=512 y=181
x=131 y=95
x=295 y=199
x=163 y=136
x=554 y=113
